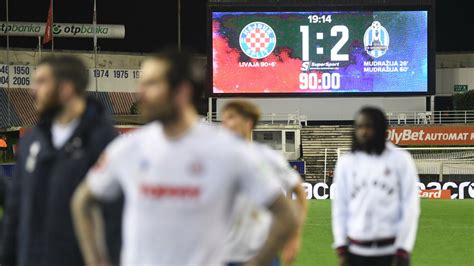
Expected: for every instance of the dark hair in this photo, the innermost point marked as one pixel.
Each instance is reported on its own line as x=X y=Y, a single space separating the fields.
x=182 y=67
x=244 y=108
x=68 y=68
x=379 y=123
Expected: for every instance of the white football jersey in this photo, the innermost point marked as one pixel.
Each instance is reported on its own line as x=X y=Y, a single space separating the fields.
x=179 y=193
x=251 y=222
x=376 y=197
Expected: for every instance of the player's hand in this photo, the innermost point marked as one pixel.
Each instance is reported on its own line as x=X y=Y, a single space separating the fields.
x=343 y=261
x=342 y=256
x=251 y=263
x=291 y=250
x=401 y=258
x=99 y=263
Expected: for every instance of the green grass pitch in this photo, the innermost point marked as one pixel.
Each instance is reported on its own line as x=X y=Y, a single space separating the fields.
x=445 y=234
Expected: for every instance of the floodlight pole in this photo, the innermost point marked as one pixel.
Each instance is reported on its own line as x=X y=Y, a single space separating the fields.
x=179 y=25
x=8 y=68
x=95 y=46
x=52 y=31
x=39 y=47
x=209 y=110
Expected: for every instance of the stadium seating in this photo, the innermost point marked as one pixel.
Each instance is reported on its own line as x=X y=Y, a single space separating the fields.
x=22 y=112
x=8 y=115
x=316 y=140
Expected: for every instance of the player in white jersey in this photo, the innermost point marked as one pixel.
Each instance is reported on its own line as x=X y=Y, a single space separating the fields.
x=180 y=179
x=376 y=205
x=251 y=222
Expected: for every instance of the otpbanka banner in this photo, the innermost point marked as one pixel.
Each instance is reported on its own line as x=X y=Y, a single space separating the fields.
x=70 y=30
x=431 y=135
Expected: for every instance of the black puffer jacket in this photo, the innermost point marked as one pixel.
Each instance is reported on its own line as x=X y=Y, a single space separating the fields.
x=38 y=227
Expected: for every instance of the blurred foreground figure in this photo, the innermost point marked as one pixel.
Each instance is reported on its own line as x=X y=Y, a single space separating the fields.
x=376 y=206
x=180 y=178
x=53 y=159
x=251 y=224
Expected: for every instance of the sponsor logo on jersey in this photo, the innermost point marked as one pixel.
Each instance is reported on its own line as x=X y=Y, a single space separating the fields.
x=196 y=168
x=100 y=164
x=170 y=191
x=144 y=165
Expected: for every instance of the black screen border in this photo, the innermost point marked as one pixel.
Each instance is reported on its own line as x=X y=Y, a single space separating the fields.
x=238 y=7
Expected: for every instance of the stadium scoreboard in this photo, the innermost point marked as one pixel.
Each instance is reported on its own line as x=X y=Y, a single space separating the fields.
x=308 y=51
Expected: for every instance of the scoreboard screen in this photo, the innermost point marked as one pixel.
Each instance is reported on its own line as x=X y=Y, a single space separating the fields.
x=315 y=53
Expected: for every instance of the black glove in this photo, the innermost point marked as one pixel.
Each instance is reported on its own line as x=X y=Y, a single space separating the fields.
x=343 y=255
x=401 y=258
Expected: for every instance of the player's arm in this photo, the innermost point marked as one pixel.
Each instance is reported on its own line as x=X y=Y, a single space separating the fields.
x=292 y=248
x=410 y=210
x=88 y=223
x=301 y=201
x=339 y=207
x=293 y=180
x=8 y=241
x=101 y=183
x=285 y=223
x=257 y=181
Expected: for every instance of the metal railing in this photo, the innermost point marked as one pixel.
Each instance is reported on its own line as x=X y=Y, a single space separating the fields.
x=393 y=117
x=438 y=161
x=426 y=117
x=271 y=118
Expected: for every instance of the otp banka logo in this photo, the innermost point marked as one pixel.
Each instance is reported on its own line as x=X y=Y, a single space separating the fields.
x=376 y=40
x=257 y=40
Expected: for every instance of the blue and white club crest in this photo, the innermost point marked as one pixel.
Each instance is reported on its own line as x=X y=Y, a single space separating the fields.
x=376 y=40
x=257 y=40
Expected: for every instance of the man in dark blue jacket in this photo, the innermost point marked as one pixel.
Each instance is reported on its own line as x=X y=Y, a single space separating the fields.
x=53 y=159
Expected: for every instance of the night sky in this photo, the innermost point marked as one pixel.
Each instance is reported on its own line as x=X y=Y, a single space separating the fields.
x=152 y=24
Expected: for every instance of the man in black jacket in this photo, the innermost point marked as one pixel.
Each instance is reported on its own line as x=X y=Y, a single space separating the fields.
x=53 y=159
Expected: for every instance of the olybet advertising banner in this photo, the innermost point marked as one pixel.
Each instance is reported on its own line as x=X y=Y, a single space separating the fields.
x=436 y=135
x=459 y=190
